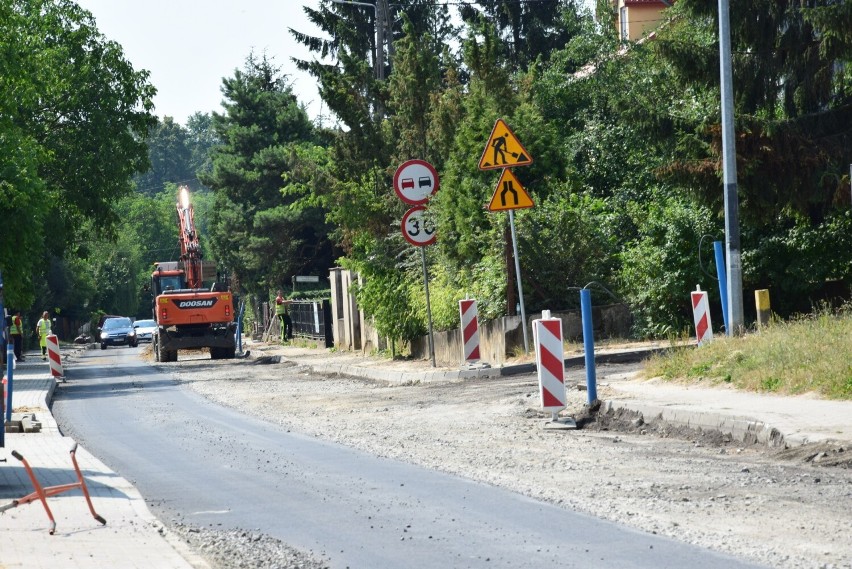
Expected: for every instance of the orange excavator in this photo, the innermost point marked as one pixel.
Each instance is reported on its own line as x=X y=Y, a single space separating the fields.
x=188 y=314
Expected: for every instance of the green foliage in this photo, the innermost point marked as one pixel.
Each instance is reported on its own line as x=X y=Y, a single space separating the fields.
x=661 y=267
x=265 y=226
x=626 y=142
x=527 y=30
x=177 y=153
x=416 y=77
x=73 y=117
x=565 y=243
x=444 y=295
x=798 y=259
x=793 y=110
x=87 y=109
x=386 y=295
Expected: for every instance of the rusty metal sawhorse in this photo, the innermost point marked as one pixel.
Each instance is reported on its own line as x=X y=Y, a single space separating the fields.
x=42 y=493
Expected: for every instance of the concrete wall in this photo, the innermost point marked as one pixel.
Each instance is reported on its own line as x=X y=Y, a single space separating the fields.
x=352 y=331
x=498 y=339
x=502 y=338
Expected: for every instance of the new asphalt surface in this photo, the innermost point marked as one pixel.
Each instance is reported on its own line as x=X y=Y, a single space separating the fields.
x=132 y=537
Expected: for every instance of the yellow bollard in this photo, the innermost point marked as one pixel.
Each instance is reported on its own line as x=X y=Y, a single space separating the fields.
x=761 y=301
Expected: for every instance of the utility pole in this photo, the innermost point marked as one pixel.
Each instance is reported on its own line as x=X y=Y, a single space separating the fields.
x=729 y=167
x=379 y=17
x=388 y=29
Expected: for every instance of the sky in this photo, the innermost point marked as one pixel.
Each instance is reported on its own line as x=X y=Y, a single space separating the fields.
x=190 y=45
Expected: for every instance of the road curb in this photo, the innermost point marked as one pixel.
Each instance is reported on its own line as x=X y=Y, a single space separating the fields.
x=742 y=429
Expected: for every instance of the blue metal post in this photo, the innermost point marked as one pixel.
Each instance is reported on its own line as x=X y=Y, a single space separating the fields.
x=589 y=343
x=719 y=248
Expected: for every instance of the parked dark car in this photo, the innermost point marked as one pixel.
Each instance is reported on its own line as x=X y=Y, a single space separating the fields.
x=117 y=332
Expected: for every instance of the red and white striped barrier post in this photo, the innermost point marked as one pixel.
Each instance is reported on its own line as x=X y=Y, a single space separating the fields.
x=53 y=357
x=701 y=315
x=550 y=355
x=470 y=331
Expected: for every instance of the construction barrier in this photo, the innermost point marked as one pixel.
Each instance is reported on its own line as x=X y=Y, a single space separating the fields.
x=42 y=493
x=53 y=356
x=550 y=357
x=701 y=315
x=470 y=331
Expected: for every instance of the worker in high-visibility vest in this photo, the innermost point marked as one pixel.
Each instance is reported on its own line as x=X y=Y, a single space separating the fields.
x=43 y=331
x=16 y=330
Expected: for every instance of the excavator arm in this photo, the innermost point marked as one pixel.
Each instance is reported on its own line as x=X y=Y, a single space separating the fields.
x=190 y=250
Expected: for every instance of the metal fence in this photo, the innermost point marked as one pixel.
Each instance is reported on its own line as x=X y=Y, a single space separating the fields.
x=311 y=319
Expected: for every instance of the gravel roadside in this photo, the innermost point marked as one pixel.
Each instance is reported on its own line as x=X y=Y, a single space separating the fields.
x=746 y=501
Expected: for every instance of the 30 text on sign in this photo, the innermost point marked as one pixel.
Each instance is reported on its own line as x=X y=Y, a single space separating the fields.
x=417 y=228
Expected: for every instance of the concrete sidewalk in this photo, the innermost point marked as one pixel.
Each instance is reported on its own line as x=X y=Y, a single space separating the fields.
x=767 y=419
x=132 y=537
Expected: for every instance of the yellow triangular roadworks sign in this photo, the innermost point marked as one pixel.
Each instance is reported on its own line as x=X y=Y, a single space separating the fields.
x=503 y=149
x=509 y=194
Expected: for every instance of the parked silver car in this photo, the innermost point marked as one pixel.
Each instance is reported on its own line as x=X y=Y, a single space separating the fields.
x=145 y=330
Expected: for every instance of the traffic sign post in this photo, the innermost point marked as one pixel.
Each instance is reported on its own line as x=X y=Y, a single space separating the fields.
x=502 y=151
x=520 y=285
x=419 y=230
x=414 y=182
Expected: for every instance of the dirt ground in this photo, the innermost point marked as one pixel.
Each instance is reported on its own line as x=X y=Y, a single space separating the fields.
x=787 y=509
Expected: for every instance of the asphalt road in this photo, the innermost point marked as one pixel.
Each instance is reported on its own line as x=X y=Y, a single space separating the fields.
x=206 y=465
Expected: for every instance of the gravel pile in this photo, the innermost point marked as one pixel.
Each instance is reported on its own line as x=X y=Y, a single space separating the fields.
x=240 y=548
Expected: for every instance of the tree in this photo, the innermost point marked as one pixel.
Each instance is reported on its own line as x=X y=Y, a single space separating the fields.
x=200 y=141
x=794 y=113
x=170 y=157
x=264 y=228
x=73 y=118
x=530 y=29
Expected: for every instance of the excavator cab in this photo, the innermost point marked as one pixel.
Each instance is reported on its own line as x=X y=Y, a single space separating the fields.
x=167 y=278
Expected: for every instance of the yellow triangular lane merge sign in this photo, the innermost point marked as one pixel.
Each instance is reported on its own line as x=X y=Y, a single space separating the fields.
x=503 y=149
x=509 y=194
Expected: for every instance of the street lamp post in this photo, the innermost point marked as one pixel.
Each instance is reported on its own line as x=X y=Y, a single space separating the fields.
x=729 y=167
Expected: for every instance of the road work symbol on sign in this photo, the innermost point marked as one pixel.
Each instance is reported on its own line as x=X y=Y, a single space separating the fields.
x=503 y=149
x=509 y=194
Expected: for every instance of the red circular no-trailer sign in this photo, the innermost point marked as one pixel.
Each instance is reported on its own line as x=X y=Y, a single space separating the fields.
x=418 y=229
x=415 y=181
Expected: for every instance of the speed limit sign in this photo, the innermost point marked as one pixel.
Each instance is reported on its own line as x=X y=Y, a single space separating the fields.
x=417 y=228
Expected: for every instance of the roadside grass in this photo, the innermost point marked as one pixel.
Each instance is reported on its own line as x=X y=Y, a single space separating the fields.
x=810 y=354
